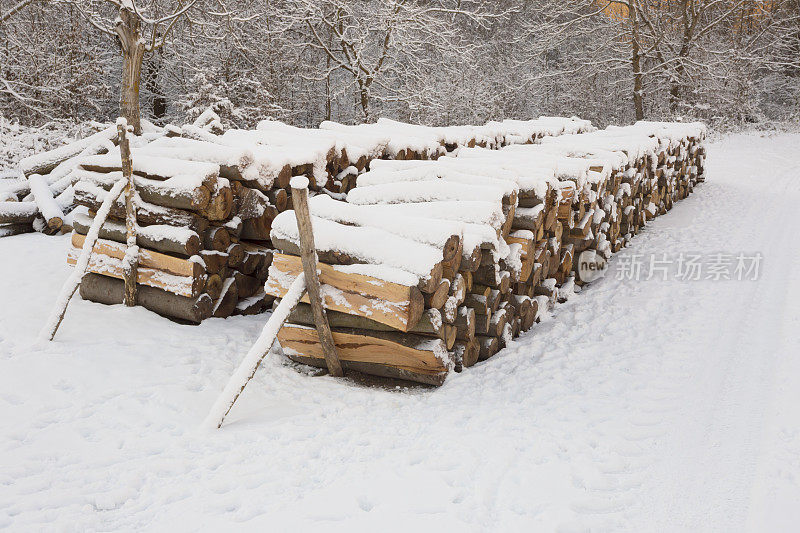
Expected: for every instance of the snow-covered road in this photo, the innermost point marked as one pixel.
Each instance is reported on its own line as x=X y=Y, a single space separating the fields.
x=641 y=405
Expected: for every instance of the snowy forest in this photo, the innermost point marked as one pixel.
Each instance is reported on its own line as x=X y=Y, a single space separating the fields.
x=433 y=62
x=399 y=265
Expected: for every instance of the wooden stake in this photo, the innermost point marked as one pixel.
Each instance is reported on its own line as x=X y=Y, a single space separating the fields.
x=131 y=261
x=249 y=365
x=308 y=255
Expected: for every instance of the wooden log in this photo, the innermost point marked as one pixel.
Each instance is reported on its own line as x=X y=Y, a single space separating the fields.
x=217 y=238
x=493 y=300
x=167 y=239
x=279 y=198
x=449 y=311
x=379 y=370
x=450 y=336
x=419 y=356
x=153 y=191
x=426 y=285
x=530 y=218
x=253 y=305
x=470 y=261
x=7 y=230
x=250 y=262
x=468 y=352
x=214 y=261
x=478 y=302
x=396 y=305
x=258 y=228
x=43 y=163
x=430 y=323
x=498 y=279
x=482 y=290
x=91 y=196
x=246 y=286
x=106 y=290
x=467 y=279
x=148 y=258
x=440 y=234
x=110 y=266
x=458 y=288
x=47 y=205
x=220 y=204
x=213 y=286
x=437 y=299
x=528 y=249
x=465 y=324
x=488 y=347
x=225 y=304
x=18 y=212
x=498 y=323
x=235 y=254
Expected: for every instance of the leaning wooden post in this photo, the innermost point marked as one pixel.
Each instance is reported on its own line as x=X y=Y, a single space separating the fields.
x=259 y=350
x=131 y=262
x=308 y=255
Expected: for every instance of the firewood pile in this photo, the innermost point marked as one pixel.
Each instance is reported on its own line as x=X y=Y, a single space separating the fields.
x=39 y=197
x=401 y=141
x=206 y=199
x=433 y=265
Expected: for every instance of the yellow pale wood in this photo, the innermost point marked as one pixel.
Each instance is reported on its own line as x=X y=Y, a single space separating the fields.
x=111 y=266
x=147 y=258
x=395 y=305
x=361 y=348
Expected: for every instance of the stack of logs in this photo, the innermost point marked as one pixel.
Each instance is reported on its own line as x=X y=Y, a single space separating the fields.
x=518 y=218
x=194 y=257
x=206 y=200
x=40 y=197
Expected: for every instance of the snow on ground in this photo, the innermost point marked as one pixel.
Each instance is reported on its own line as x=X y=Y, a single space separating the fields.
x=642 y=405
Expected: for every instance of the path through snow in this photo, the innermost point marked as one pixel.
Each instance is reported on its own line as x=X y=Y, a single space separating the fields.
x=641 y=405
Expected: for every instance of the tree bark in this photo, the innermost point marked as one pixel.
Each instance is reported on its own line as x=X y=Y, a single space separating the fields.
x=636 y=63
x=128 y=28
x=309 y=260
x=131 y=261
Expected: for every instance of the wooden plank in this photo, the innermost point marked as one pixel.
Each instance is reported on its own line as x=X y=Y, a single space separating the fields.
x=395 y=305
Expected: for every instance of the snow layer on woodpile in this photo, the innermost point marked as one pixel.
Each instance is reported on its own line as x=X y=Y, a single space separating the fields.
x=32 y=162
x=421 y=229
x=429 y=191
x=164 y=167
x=370 y=245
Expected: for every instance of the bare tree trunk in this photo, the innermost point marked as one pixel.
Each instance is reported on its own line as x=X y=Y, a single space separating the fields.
x=636 y=63
x=151 y=76
x=128 y=29
x=328 y=86
x=364 y=99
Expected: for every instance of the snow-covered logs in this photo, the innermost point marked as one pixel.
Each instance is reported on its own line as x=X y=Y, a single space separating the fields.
x=518 y=219
x=39 y=195
x=191 y=223
x=208 y=197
